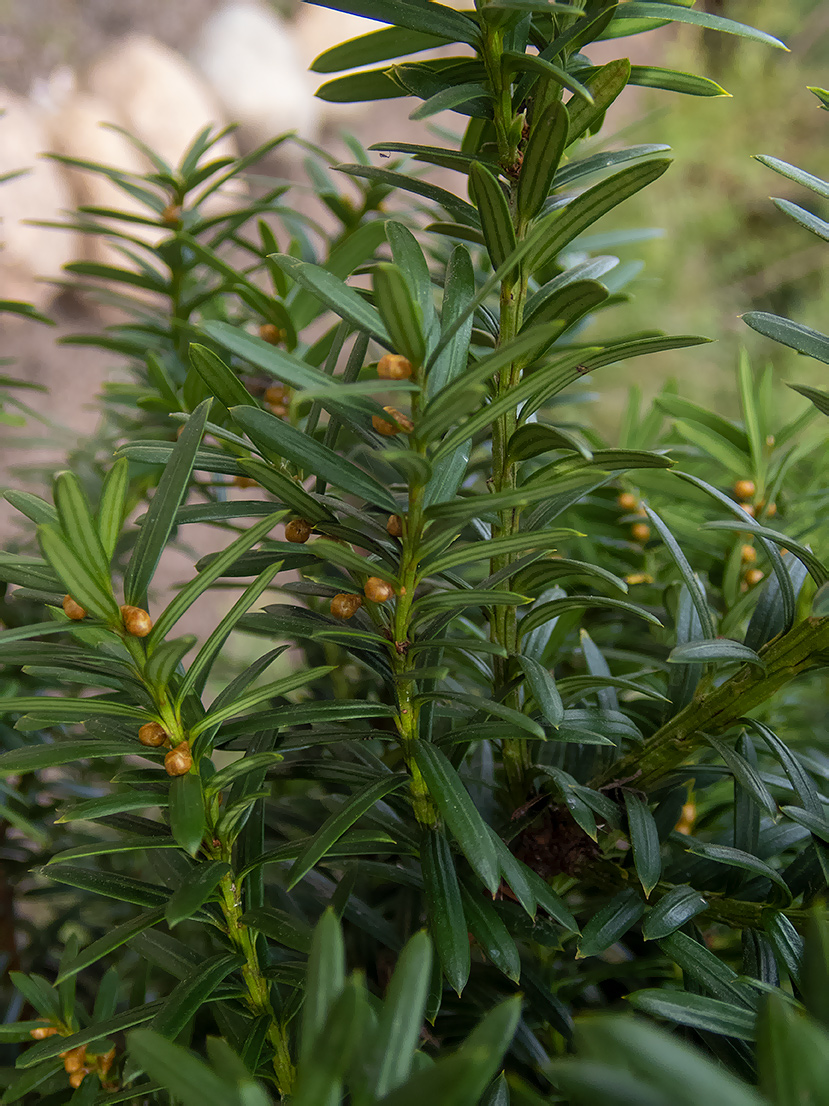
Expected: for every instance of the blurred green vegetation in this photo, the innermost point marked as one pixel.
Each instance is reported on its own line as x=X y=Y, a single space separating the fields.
x=725 y=248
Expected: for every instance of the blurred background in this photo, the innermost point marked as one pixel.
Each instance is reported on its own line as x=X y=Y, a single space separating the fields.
x=717 y=247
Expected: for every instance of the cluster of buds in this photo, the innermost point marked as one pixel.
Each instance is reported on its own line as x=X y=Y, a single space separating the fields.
x=277 y=398
x=629 y=504
x=76 y=1062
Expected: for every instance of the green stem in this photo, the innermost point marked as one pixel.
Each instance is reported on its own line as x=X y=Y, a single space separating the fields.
x=504 y=623
x=715 y=711
x=258 y=990
x=258 y=998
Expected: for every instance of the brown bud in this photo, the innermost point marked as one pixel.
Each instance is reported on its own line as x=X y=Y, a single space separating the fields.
x=106 y=1061
x=73 y=1058
x=392 y=366
x=276 y=394
x=178 y=761
x=136 y=621
x=377 y=590
x=401 y=425
x=640 y=531
x=152 y=735
x=394 y=527
x=171 y=215
x=298 y=531
x=77 y=1077
x=345 y=605
x=754 y=576
x=627 y=501
x=72 y=609
x=748 y=554
x=270 y=333
x=40 y=1032
x=244 y=482
x=744 y=489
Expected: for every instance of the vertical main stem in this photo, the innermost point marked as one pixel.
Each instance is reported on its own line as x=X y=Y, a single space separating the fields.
x=258 y=990
x=504 y=624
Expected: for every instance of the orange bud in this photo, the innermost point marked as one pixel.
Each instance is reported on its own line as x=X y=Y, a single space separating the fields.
x=77 y=1077
x=40 y=1032
x=136 y=621
x=754 y=576
x=72 y=609
x=178 y=761
x=152 y=735
x=640 y=531
x=771 y=510
x=345 y=605
x=394 y=527
x=401 y=425
x=244 y=482
x=748 y=554
x=627 y=501
x=392 y=366
x=73 y=1058
x=749 y=509
x=744 y=489
x=270 y=333
x=378 y=590
x=686 y=819
x=276 y=394
x=298 y=531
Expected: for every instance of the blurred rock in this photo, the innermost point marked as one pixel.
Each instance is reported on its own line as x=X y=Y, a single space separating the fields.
x=43 y=193
x=159 y=96
x=250 y=58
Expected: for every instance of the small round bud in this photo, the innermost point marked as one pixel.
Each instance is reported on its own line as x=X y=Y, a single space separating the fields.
x=748 y=554
x=392 y=366
x=627 y=501
x=178 y=761
x=272 y=334
x=73 y=1059
x=244 y=482
x=171 y=215
x=754 y=576
x=345 y=605
x=275 y=394
x=298 y=531
x=394 y=527
x=640 y=531
x=749 y=509
x=136 y=621
x=77 y=1077
x=72 y=609
x=152 y=735
x=41 y=1032
x=744 y=489
x=771 y=510
x=377 y=590
x=401 y=425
